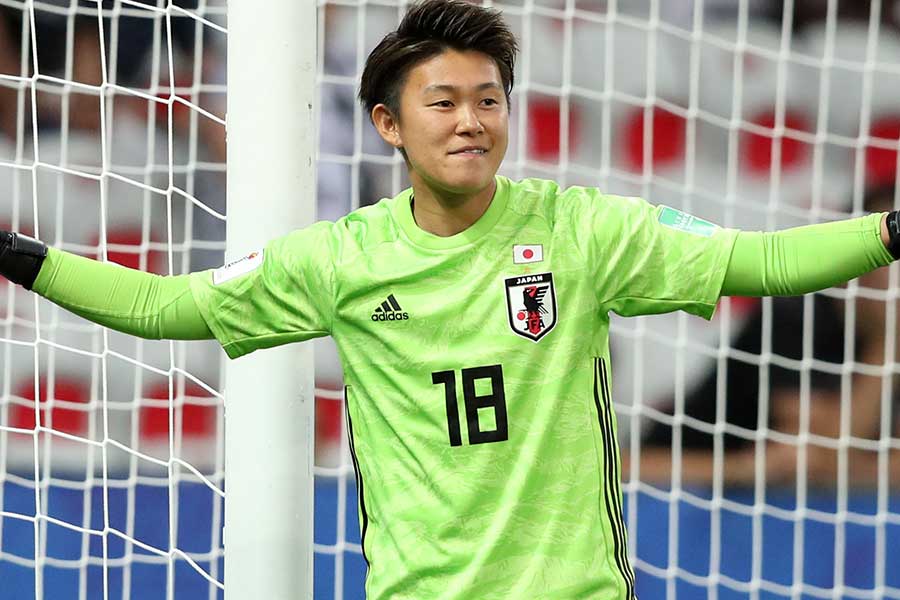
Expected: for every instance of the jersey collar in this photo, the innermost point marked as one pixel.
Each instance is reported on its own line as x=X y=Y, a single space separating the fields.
x=404 y=217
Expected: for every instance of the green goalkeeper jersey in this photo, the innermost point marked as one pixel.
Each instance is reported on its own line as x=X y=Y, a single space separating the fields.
x=477 y=375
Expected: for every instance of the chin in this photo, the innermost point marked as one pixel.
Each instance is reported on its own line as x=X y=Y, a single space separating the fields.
x=467 y=185
x=457 y=182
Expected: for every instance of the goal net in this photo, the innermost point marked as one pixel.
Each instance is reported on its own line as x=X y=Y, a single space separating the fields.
x=761 y=450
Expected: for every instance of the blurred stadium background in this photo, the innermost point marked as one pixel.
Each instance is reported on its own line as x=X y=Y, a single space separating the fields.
x=753 y=114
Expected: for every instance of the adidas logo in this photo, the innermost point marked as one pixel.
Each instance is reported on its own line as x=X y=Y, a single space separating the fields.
x=390 y=311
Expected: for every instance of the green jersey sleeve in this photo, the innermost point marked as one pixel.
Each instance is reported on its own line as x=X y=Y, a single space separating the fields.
x=281 y=294
x=805 y=259
x=655 y=259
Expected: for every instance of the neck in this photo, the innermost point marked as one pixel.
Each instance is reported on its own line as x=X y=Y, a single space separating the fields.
x=445 y=214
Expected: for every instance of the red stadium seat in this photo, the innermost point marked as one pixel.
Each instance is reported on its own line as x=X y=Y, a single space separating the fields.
x=67 y=419
x=756 y=149
x=741 y=306
x=329 y=416
x=180 y=112
x=119 y=250
x=198 y=421
x=668 y=139
x=25 y=228
x=881 y=163
x=545 y=128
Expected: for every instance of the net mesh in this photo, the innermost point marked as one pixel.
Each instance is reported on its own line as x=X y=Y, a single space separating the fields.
x=111 y=477
x=761 y=451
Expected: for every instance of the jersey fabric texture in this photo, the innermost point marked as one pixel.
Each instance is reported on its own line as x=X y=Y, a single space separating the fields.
x=477 y=375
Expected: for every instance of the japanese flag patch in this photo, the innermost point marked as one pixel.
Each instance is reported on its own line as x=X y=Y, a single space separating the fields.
x=527 y=253
x=238 y=267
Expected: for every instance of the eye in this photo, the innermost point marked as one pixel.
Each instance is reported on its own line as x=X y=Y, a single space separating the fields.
x=490 y=102
x=442 y=104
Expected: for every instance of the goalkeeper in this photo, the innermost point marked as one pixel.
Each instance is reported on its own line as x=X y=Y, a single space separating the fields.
x=471 y=313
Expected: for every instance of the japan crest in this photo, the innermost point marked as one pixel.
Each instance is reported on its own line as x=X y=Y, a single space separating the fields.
x=531 y=305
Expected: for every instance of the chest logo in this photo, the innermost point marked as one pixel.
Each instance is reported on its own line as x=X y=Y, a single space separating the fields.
x=390 y=311
x=531 y=305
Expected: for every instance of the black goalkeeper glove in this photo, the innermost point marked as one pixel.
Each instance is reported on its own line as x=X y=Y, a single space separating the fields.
x=21 y=258
x=893 y=227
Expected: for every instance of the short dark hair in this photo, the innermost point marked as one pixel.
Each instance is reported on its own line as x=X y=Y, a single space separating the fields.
x=429 y=28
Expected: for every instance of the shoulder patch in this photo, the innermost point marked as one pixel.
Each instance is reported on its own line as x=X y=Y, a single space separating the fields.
x=238 y=267
x=682 y=221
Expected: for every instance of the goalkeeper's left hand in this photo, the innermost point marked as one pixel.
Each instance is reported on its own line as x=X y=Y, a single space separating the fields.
x=21 y=258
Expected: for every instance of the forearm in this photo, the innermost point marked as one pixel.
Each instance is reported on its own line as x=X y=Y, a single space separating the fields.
x=805 y=259
x=134 y=302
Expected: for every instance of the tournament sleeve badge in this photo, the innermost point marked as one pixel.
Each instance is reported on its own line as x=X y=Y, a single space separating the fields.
x=682 y=221
x=531 y=305
x=239 y=267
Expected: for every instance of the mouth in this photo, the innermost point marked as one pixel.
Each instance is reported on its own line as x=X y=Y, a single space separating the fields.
x=470 y=151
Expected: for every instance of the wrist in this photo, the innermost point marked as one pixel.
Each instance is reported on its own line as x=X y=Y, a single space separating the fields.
x=890 y=233
x=21 y=258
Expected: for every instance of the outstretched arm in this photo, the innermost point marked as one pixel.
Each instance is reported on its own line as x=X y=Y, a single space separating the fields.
x=806 y=259
x=134 y=302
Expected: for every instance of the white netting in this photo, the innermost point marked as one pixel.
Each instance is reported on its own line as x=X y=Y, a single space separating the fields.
x=768 y=439
x=112 y=147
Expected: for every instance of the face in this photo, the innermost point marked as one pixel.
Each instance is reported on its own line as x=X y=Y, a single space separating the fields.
x=453 y=124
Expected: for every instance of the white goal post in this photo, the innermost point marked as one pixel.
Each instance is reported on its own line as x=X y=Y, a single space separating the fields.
x=269 y=396
x=113 y=449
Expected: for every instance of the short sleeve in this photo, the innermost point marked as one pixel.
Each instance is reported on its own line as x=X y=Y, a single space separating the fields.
x=277 y=295
x=654 y=259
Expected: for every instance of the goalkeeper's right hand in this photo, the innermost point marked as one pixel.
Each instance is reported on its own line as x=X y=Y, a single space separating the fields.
x=21 y=258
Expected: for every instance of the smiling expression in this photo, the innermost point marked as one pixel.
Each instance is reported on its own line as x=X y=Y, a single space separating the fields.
x=454 y=122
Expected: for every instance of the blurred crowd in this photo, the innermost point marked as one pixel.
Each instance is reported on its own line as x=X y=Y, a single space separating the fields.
x=59 y=49
x=763 y=121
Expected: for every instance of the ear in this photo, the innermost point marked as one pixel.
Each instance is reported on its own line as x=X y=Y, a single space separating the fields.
x=387 y=125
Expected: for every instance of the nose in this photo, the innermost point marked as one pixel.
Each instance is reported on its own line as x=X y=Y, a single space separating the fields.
x=468 y=124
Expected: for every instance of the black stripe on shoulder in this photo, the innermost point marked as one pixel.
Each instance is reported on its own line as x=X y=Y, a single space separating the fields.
x=611 y=483
x=359 y=481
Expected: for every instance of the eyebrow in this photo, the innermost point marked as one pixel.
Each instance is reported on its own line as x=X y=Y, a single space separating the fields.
x=443 y=87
